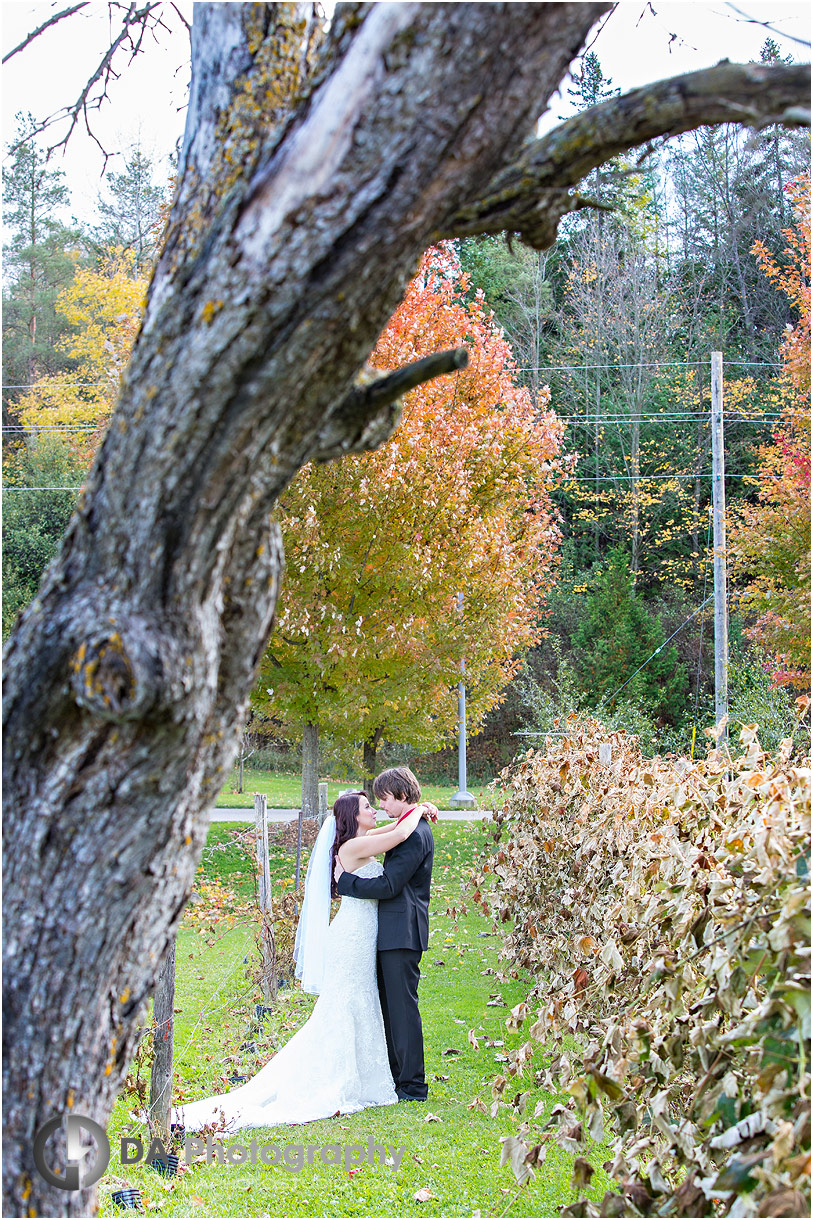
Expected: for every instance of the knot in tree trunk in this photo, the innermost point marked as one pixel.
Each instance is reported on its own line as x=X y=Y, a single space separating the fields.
x=120 y=673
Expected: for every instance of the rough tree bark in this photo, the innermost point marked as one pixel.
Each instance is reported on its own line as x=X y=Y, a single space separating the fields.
x=369 y=755
x=311 y=180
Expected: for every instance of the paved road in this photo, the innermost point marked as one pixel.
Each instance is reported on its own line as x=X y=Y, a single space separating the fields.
x=289 y=815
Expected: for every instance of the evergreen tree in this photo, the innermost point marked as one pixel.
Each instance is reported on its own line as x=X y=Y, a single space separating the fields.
x=616 y=635
x=131 y=214
x=39 y=261
x=590 y=85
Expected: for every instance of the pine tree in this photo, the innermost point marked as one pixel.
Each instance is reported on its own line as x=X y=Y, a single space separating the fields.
x=616 y=635
x=131 y=215
x=39 y=261
x=591 y=85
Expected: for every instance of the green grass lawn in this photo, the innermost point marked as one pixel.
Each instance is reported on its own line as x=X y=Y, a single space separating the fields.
x=457 y=1157
x=285 y=791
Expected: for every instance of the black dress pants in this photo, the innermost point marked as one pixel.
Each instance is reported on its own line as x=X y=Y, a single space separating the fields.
x=398 y=975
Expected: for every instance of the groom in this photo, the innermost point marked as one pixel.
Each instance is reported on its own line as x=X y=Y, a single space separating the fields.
x=402 y=891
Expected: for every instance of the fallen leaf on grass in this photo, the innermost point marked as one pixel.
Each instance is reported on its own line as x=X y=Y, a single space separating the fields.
x=431 y=1118
x=473 y=1040
x=437 y=1077
x=450 y=1050
x=424 y=1195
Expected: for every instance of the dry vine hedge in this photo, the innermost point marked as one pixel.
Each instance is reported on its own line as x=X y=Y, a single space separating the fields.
x=663 y=907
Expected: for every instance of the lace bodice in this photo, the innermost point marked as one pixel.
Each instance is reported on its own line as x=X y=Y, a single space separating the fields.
x=337 y=1061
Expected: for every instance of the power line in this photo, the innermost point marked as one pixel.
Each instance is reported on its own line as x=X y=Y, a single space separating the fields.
x=657 y=478
x=587 y=419
x=668 y=417
x=539 y=368
x=50 y=385
x=37 y=428
x=645 y=364
x=577 y=478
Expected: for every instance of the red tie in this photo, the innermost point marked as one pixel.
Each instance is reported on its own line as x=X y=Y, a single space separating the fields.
x=405 y=814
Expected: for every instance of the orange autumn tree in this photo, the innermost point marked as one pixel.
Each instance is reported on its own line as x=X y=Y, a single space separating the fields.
x=369 y=636
x=770 y=539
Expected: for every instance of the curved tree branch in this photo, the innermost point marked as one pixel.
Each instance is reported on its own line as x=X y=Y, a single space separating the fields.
x=531 y=196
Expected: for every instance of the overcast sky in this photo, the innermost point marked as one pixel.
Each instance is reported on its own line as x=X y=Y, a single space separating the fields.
x=639 y=42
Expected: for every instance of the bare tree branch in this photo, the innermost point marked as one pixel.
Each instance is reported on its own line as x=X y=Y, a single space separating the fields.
x=145 y=18
x=532 y=196
x=182 y=19
x=766 y=25
x=66 y=12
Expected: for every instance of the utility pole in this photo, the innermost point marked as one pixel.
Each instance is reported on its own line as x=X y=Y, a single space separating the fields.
x=718 y=503
x=462 y=797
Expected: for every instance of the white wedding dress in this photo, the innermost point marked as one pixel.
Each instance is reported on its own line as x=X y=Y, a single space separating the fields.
x=337 y=1061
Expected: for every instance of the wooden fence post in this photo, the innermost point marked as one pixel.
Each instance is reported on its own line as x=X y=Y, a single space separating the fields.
x=163 y=1036
x=267 y=942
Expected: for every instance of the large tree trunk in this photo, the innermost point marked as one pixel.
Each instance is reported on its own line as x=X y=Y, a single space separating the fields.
x=291 y=240
x=127 y=679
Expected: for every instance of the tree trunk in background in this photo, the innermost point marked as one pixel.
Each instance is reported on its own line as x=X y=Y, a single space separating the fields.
x=369 y=757
x=290 y=242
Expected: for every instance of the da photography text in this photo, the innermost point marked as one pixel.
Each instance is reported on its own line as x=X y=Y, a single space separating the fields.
x=292 y=1157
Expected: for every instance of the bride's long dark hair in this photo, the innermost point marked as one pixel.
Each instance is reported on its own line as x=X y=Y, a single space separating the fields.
x=346 y=813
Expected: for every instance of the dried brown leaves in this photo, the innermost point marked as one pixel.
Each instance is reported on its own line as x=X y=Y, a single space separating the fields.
x=664 y=907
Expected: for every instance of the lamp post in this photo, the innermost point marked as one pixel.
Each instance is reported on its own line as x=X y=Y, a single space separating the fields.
x=462 y=797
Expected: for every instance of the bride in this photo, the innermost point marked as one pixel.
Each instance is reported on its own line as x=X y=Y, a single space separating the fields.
x=337 y=1062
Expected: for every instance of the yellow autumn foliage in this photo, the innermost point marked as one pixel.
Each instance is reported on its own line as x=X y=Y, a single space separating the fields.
x=105 y=305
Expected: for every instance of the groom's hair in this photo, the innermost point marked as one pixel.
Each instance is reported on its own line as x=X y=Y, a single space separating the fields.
x=399 y=782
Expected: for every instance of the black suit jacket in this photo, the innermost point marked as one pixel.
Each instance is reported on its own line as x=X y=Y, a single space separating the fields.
x=402 y=891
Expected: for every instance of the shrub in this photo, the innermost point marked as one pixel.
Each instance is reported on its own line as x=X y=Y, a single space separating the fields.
x=663 y=906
